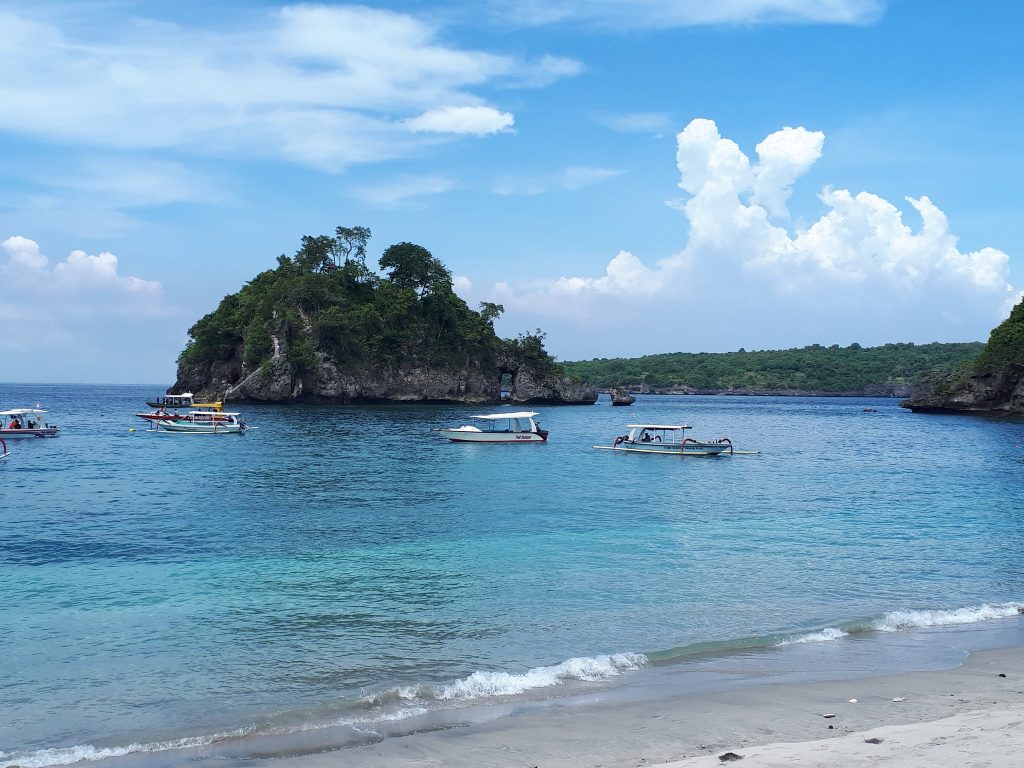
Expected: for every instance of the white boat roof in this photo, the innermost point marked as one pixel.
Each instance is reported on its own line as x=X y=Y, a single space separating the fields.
x=22 y=411
x=658 y=426
x=516 y=415
x=215 y=413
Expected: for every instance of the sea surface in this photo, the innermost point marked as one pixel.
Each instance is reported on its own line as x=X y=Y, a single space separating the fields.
x=339 y=575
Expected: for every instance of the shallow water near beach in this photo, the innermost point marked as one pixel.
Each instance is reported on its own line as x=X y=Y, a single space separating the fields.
x=339 y=575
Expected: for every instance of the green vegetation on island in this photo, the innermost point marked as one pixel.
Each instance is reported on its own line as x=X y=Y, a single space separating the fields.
x=993 y=382
x=323 y=326
x=888 y=369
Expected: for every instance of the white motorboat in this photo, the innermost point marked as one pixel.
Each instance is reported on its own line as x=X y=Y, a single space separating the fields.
x=518 y=427
x=26 y=422
x=204 y=423
x=668 y=439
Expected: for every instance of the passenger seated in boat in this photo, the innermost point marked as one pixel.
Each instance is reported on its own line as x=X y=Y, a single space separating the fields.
x=15 y=424
x=645 y=437
x=31 y=424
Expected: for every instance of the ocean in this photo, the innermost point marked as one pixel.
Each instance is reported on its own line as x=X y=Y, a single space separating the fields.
x=339 y=575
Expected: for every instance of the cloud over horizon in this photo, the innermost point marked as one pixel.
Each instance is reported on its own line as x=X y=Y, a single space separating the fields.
x=744 y=278
x=323 y=86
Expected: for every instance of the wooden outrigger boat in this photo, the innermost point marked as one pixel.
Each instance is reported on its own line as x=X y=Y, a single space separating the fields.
x=666 y=439
x=26 y=422
x=204 y=423
x=518 y=427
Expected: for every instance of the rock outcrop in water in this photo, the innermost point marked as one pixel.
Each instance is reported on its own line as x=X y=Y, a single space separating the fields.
x=322 y=328
x=992 y=384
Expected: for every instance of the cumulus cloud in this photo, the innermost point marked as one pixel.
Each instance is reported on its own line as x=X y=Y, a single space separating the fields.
x=82 y=283
x=688 y=13
x=860 y=272
x=320 y=85
x=80 y=318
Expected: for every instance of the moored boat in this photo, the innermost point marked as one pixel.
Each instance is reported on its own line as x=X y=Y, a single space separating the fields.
x=26 y=422
x=204 y=423
x=666 y=439
x=182 y=400
x=518 y=427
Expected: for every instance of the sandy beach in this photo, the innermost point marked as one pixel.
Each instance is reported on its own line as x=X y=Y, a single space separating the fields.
x=970 y=715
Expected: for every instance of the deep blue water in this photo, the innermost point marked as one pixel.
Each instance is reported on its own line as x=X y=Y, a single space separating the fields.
x=342 y=564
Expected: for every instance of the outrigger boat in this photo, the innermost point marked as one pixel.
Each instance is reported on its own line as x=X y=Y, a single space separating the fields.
x=204 y=423
x=667 y=439
x=26 y=422
x=516 y=427
x=161 y=414
x=4 y=453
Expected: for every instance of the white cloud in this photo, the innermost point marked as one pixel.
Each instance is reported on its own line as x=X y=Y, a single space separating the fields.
x=466 y=120
x=570 y=179
x=858 y=273
x=82 y=282
x=80 y=319
x=638 y=122
x=321 y=85
x=688 y=13
x=401 y=190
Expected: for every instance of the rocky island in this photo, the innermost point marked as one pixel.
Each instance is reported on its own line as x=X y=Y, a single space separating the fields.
x=322 y=327
x=991 y=384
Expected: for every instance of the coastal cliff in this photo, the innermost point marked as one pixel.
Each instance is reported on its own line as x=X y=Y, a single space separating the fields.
x=323 y=328
x=991 y=384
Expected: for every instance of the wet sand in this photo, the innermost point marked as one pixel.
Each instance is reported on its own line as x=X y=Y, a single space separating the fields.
x=970 y=715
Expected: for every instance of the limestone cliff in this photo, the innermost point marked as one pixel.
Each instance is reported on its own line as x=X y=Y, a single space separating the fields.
x=994 y=383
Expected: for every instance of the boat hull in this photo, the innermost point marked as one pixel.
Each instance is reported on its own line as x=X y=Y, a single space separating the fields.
x=7 y=434
x=184 y=428
x=458 y=436
x=690 y=449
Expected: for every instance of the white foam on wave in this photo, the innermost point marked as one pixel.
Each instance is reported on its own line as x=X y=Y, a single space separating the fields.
x=482 y=685
x=821 y=636
x=487 y=684
x=44 y=758
x=895 y=621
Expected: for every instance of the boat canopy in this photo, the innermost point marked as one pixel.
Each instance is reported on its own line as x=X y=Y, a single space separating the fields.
x=22 y=412
x=516 y=415
x=658 y=426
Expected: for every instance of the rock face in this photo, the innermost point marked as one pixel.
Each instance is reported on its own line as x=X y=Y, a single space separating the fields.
x=621 y=396
x=475 y=381
x=992 y=392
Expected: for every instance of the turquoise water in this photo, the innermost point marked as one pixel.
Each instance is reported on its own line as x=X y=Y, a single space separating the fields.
x=341 y=566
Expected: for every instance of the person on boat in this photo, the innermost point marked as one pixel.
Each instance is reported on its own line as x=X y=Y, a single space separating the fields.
x=31 y=424
x=15 y=424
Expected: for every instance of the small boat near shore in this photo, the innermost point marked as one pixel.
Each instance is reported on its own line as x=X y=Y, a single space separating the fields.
x=518 y=427
x=26 y=422
x=667 y=439
x=203 y=423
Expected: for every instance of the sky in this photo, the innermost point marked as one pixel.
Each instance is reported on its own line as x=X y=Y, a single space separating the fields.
x=630 y=176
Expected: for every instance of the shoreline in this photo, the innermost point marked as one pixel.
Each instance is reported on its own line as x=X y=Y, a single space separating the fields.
x=919 y=717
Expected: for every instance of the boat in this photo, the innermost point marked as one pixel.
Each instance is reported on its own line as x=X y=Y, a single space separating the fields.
x=667 y=439
x=183 y=400
x=4 y=453
x=518 y=427
x=26 y=422
x=161 y=414
x=204 y=423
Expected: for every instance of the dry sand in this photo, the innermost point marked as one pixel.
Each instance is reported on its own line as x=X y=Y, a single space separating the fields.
x=968 y=716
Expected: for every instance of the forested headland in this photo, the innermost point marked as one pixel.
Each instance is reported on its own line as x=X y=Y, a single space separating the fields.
x=891 y=369
x=322 y=326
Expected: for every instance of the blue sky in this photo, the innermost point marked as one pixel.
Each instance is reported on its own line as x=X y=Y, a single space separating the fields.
x=632 y=177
